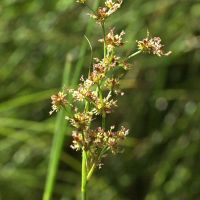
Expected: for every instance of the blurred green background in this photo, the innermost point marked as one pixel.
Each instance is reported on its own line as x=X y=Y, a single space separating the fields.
x=161 y=105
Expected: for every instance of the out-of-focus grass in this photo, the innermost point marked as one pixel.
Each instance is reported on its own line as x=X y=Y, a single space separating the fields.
x=160 y=105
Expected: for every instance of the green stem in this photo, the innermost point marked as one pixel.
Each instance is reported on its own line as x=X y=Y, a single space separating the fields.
x=103 y=126
x=111 y=57
x=91 y=171
x=104 y=40
x=94 y=165
x=100 y=94
x=108 y=96
x=84 y=162
x=84 y=176
x=132 y=55
x=92 y=102
x=90 y=8
x=83 y=50
x=106 y=148
x=103 y=119
x=102 y=107
x=68 y=112
x=82 y=133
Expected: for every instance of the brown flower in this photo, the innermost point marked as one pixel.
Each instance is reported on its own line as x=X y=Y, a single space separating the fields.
x=59 y=100
x=112 y=40
x=103 y=13
x=152 y=45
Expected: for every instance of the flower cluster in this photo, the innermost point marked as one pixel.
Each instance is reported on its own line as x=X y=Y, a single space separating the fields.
x=113 y=84
x=112 y=40
x=80 y=121
x=106 y=64
x=83 y=93
x=103 y=13
x=95 y=143
x=98 y=139
x=105 y=107
x=59 y=100
x=152 y=46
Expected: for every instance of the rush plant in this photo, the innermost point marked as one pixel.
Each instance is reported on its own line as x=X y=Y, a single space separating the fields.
x=95 y=144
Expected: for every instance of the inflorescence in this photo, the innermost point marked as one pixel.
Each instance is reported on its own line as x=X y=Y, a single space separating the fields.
x=97 y=142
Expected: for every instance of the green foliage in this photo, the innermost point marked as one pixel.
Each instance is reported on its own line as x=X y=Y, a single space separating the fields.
x=160 y=106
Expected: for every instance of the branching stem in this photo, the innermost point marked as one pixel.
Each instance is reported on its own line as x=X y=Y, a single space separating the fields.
x=132 y=55
x=104 y=41
x=90 y=8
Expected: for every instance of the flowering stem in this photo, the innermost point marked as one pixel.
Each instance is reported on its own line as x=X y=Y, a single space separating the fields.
x=84 y=163
x=94 y=144
x=103 y=126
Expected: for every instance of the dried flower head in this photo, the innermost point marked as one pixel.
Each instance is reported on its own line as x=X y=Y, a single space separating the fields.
x=152 y=45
